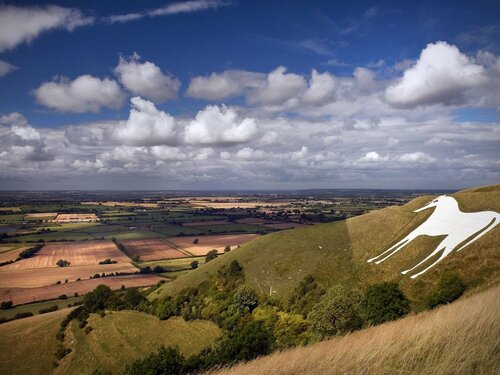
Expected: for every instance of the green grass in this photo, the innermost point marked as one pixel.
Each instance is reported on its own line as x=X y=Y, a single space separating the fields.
x=172 y=231
x=35 y=307
x=130 y=235
x=55 y=236
x=234 y=228
x=27 y=346
x=174 y=264
x=122 y=336
x=337 y=253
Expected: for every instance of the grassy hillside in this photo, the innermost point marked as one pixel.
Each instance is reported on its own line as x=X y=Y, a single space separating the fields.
x=27 y=346
x=115 y=340
x=460 y=338
x=337 y=252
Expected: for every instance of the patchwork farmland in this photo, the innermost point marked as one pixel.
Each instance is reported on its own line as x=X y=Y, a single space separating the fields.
x=202 y=245
x=77 y=253
x=29 y=295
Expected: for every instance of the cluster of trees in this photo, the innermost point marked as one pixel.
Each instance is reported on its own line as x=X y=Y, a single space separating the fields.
x=28 y=253
x=48 y=309
x=63 y=263
x=108 y=261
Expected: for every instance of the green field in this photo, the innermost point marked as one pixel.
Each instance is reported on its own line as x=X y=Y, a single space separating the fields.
x=116 y=339
x=175 y=264
x=35 y=307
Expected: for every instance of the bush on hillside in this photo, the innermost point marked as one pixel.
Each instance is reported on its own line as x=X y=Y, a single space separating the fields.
x=167 y=361
x=246 y=299
x=194 y=264
x=211 y=255
x=305 y=296
x=5 y=305
x=337 y=312
x=449 y=288
x=384 y=302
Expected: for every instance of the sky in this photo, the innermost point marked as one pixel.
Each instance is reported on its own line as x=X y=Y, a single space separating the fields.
x=227 y=95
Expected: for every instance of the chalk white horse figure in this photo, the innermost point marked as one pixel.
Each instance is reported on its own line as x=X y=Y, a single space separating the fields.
x=447 y=219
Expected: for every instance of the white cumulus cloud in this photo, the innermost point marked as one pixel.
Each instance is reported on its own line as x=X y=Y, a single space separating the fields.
x=146 y=125
x=223 y=85
x=278 y=88
x=321 y=88
x=441 y=75
x=23 y=24
x=84 y=94
x=220 y=125
x=146 y=79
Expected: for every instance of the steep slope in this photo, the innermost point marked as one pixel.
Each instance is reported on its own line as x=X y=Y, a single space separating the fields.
x=27 y=346
x=338 y=252
x=460 y=338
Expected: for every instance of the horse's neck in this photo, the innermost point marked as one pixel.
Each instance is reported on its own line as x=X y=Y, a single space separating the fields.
x=451 y=207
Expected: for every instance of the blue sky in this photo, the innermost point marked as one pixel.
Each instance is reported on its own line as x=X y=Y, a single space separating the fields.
x=374 y=64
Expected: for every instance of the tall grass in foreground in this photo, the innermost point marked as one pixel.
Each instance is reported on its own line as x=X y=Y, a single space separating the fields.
x=460 y=338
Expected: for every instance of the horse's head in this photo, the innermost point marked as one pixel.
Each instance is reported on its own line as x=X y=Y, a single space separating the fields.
x=434 y=203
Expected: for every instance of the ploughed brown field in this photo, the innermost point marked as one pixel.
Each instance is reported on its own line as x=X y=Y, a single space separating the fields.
x=152 y=249
x=207 y=243
x=9 y=255
x=77 y=253
x=34 y=277
x=27 y=295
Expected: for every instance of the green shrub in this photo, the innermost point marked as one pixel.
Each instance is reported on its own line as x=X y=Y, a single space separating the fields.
x=337 y=312
x=5 y=305
x=246 y=299
x=449 y=288
x=211 y=255
x=167 y=361
x=384 y=302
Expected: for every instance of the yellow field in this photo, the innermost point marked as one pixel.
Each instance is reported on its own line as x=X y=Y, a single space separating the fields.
x=13 y=209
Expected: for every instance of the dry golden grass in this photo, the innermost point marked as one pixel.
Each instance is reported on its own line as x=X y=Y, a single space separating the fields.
x=13 y=209
x=42 y=215
x=461 y=338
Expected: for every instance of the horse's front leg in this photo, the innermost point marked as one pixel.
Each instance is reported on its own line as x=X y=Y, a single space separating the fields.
x=393 y=249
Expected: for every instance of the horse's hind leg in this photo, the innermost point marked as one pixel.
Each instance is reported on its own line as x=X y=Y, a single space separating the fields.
x=445 y=253
x=393 y=249
x=441 y=246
